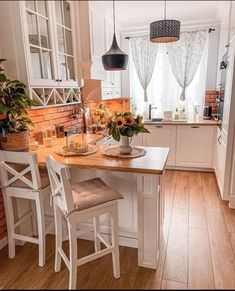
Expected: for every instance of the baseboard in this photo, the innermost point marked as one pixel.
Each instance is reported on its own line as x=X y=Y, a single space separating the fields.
x=195 y=169
x=231 y=203
x=3 y=242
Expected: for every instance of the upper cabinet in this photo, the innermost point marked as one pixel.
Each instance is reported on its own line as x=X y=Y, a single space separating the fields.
x=40 y=43
x=97 y=35
x=49 y=39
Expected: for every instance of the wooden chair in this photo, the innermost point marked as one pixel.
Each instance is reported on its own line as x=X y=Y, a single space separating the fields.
x=78 y=203
x=20 y=178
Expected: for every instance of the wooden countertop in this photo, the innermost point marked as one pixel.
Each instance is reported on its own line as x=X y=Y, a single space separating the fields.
x=152 y=163
x=209 y=122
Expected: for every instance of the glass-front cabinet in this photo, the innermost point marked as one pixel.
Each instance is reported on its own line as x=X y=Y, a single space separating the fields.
x=50 y=43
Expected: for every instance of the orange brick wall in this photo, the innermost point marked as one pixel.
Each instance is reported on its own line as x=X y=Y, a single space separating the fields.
x=61 y=115
x=114 y=105
x=210 y=98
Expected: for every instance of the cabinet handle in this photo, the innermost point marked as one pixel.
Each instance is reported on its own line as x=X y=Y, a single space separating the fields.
x=159 y=126
x=219 y=139
x=58 y=80
x=195 y=126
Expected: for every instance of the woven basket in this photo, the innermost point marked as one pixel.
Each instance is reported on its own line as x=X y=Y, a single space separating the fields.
x=15 y=141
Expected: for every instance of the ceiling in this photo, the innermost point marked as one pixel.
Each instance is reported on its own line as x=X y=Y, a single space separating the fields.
x=133 y=15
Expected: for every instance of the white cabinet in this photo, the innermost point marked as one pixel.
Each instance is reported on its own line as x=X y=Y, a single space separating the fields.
x=194 y=146
x=162 y=136
x=39 y=42
x=49 y=34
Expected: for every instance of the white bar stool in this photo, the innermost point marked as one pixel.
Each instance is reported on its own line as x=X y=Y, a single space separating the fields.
x=77 y=203
x=20 y=178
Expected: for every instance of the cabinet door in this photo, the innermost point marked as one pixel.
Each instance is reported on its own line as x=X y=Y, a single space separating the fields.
x=97 y=34
x=38 y=22
x=137 y=140
x=163 y=136
x=65 y=42
x=194 y=146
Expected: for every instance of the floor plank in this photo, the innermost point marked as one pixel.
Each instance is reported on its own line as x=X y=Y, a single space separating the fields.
x=197 y=218
x=173 y=285
x=210 y=192
x=177 y=249
x=221 y=251
x=181 y=199
x=200 y=274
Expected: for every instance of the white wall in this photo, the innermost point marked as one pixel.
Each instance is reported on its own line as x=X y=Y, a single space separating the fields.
x=212 y=62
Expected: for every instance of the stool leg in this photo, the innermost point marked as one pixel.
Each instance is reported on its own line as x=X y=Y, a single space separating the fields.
x=58 y=237
x=73 y=256
x=10 y=224
x=41 y=230
x=34 y=217
x=115 y=242
x=96 y=222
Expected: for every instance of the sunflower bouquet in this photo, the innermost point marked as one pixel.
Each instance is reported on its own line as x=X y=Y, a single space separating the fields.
x=125 y=124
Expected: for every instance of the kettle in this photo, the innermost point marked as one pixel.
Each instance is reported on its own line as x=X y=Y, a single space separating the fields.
x=207 y=110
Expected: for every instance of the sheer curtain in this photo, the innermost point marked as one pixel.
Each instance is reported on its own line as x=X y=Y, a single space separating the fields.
x=163 y=90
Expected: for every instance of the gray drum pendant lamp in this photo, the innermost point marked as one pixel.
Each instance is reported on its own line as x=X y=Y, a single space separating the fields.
x=115 y=59
x=166 y=30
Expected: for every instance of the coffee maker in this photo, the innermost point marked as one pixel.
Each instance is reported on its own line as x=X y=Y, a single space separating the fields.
x=207 y=111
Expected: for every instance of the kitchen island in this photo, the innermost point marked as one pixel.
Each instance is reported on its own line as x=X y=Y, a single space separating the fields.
x=139 y=180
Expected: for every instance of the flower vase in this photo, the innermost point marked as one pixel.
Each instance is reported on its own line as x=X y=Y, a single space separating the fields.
x=124 y=147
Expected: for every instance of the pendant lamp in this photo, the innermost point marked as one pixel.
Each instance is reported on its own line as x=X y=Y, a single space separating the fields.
x=166 y=30
x=115 y=59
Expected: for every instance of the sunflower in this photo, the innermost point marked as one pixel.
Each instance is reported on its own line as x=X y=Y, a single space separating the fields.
x=129 y=119
x=120 y=122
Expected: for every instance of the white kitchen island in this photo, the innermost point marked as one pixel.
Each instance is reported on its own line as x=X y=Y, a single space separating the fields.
x=140 y=181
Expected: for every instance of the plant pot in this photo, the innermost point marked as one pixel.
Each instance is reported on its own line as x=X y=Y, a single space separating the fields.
x=18 y=141
x=124 y=147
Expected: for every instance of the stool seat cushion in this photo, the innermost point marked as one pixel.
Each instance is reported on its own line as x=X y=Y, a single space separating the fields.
x=92 y=192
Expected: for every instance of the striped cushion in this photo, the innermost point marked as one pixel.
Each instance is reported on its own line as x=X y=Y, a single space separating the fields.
x=91 y=193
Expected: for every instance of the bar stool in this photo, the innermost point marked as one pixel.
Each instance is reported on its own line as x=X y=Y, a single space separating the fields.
x=78 y=203
x=20 y=178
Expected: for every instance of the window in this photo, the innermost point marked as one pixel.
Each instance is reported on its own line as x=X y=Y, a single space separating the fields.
x=163 y=90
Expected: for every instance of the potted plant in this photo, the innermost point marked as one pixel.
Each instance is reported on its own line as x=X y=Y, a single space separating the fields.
x=14 y=119
x=123 y=127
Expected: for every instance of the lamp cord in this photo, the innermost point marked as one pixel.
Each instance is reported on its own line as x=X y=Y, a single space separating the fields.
x=113 y=16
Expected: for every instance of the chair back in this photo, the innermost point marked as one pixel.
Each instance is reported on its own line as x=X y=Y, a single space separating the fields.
x=59 y=176
x=19 y=168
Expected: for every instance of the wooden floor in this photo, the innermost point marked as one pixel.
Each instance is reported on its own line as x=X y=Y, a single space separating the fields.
x=197 y=253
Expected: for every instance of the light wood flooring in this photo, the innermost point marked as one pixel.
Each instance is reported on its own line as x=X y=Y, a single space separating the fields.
x=198 y=250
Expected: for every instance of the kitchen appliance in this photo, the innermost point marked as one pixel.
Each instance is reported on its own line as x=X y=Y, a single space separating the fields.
x=207 y=111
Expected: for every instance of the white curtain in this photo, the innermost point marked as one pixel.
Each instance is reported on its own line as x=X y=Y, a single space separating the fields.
x=144 y=56
x=185 y=56
x=163 y=90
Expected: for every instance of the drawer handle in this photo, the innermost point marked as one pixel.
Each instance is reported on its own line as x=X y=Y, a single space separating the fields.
x=219 y=139
x=159 y=126
x=195 y=126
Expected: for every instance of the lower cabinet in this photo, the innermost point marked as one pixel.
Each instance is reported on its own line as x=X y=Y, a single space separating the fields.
x=195 y=146
x=162 y=136
x=190 y=146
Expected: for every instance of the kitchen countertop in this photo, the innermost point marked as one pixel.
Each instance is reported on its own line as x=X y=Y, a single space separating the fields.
x=187 y=122
x=152 y=163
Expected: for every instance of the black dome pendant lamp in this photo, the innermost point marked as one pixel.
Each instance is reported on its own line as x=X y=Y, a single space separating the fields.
x=115 y=59
x=166 y=30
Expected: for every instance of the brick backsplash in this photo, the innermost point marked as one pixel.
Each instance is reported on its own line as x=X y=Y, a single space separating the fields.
x=61 y=115
x=210 y=99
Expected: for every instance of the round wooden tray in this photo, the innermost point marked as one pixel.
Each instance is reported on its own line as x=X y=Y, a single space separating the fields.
x=114 y=152
x=63 y=153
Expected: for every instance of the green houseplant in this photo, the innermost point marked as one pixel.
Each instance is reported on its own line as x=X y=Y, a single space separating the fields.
x=14 y=119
